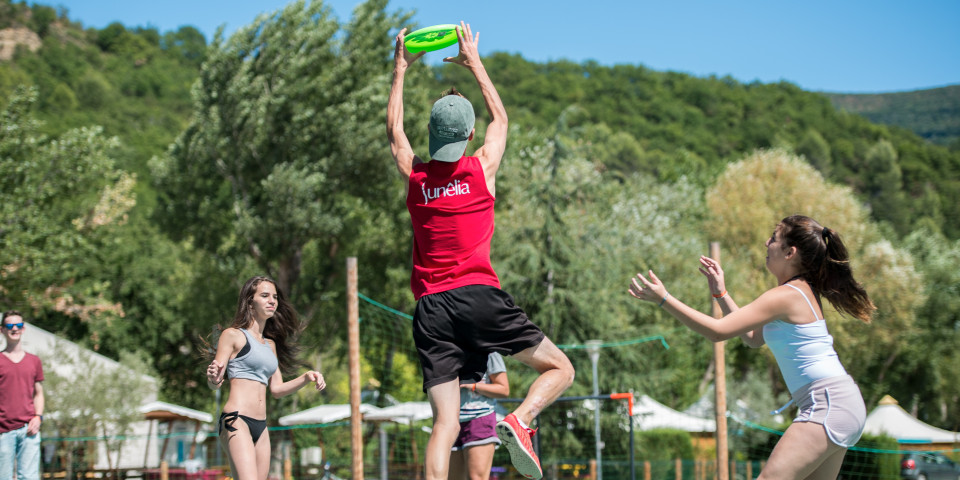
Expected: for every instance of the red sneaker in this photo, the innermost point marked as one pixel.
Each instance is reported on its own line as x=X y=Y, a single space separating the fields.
x=517 y=441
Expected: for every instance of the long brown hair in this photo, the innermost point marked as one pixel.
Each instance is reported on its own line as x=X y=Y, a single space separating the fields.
x=283 y=329
x=825 y=265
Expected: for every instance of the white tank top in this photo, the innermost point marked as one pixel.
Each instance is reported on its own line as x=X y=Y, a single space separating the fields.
x=804 y=352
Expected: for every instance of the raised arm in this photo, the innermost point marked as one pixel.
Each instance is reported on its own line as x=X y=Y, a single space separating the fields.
x=766 y=308
x=495 y=140
x=711 y=269
x=399 y=145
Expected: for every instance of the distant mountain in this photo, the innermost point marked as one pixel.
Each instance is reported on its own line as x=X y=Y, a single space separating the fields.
x=933 y=114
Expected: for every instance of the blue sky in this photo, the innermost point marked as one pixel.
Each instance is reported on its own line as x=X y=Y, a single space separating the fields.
x=834 y=46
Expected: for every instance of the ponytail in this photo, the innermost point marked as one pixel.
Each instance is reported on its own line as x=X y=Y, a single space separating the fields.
x=825 y=265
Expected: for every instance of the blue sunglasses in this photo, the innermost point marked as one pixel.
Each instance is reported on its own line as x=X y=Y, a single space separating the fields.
x=11 y=326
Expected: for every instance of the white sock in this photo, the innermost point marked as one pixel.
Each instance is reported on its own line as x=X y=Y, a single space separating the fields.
x=524 y=425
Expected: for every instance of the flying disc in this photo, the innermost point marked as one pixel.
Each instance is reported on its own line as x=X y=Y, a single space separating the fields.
x=431 y=38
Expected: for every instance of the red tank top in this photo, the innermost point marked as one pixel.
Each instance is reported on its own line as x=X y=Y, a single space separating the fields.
x=452 y=215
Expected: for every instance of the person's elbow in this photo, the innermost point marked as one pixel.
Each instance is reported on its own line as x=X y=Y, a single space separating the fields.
x=717 y=336
x=277 y=392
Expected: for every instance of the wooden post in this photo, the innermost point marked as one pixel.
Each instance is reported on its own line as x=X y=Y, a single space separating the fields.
x=166 y=439
x=678 y=469
x=193 y=443
x=287 y=469
x=164 y=470
x=733 y=469
x=647 y=471
x=720 y=386
x=749 y=470
x=353 y=338
x=146 y=454
x=593 y=469
x=414 y=449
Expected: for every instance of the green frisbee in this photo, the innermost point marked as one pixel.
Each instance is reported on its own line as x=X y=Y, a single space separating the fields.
x=431 y=38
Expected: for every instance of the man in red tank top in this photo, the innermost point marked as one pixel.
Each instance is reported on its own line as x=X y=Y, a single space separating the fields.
x=462 y=314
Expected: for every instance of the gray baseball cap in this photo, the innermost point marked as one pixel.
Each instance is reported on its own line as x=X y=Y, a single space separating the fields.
x=451 y=122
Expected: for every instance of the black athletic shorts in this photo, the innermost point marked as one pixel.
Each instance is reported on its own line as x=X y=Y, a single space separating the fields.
x=457 y=329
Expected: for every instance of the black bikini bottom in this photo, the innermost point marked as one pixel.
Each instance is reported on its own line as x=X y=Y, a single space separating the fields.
x=256 y=426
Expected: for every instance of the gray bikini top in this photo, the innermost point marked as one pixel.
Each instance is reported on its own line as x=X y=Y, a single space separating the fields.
x=255 y=361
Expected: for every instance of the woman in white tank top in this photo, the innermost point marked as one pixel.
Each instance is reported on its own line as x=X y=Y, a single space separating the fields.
x=808 y=260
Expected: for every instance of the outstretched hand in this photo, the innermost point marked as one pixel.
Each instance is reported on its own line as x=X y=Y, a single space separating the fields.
x=710 y=268
x=651 y=290
x=468 y=46
x=401 y=56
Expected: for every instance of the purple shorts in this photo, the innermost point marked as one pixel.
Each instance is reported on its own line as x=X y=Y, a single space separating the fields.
x=479 y=431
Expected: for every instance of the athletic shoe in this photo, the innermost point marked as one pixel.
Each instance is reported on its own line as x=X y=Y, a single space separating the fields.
x=517 y=441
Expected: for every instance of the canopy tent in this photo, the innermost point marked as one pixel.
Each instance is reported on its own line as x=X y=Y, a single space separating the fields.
x=163 y=412
x=888 y=418
x=649 y=414
x=324 y=414
x=403 y=413
x=167 y=411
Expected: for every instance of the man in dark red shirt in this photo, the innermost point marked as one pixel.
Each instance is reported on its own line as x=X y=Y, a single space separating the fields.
x=21 y=403
x=462 y=314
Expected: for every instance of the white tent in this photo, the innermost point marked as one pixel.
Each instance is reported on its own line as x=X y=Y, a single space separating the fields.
x=185 y=427
x=324 y=414
x=169 y=411
x=892 y=420
x=649 y=414
x=403 y=413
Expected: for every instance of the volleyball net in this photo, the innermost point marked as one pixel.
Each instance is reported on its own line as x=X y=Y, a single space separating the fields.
x=625 y=435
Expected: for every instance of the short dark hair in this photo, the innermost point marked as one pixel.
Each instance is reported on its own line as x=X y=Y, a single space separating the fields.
x=452 y=91
x=9 y=313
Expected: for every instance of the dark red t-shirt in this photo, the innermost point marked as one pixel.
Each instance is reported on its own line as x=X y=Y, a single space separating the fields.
x=17 y=384
x=452 y=215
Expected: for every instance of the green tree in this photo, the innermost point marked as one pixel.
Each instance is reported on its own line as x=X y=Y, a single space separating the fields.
x=568 y=241
x=884 y=184
x=816 y=150
x=60 y=199
x=927 y=378
x=284 y=168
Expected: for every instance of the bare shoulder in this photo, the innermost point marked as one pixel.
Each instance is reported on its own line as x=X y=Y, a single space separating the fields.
x=232 y=337
x=786 y=303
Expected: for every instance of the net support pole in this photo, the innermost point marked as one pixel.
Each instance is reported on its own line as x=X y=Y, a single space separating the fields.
x=353 y=340
x=593 y=348
x=720 y=386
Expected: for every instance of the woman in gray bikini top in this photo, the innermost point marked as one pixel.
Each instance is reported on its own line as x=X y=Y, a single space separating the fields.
x=252 y=353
